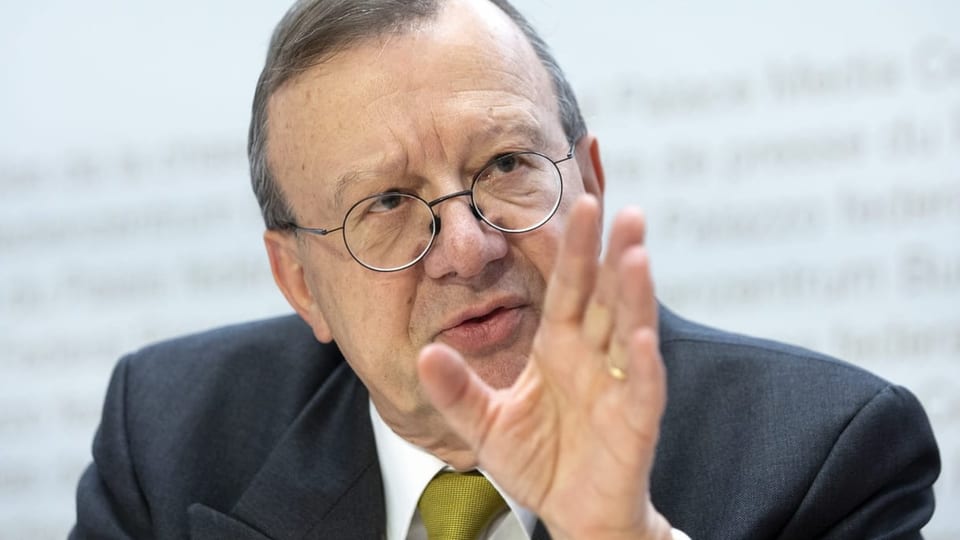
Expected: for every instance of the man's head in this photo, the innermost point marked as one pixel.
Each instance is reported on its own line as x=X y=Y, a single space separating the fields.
x=312 y=31
x=414 y=98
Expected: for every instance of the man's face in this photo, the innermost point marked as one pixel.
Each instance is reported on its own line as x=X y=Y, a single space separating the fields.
x=421 y=113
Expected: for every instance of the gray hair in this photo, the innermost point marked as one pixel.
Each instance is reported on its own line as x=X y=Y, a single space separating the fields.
x=313 y=31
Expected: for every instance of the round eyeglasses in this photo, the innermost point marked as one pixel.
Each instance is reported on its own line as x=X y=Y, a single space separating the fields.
x=514 y=193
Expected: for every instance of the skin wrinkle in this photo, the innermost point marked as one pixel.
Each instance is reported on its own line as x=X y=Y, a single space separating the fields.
x=492 y=112
x=437 y=130
x=527 y=386
x=498 y=131
x=381 y=102
x=468 y=81
x=386 y=41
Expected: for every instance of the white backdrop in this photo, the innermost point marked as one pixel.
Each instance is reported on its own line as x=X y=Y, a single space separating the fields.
x=800 y=166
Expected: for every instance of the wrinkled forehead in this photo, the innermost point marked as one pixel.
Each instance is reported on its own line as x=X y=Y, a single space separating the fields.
x=468 y=47
x=387 y=102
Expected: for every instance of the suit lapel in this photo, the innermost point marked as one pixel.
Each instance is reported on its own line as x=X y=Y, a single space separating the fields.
x=323 y=478
x=209 y=524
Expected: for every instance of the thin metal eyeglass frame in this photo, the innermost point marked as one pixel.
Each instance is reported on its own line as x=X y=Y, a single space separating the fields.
x=435 y=223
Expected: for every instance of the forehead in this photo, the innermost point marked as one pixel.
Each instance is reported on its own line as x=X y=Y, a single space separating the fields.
x=467 y=72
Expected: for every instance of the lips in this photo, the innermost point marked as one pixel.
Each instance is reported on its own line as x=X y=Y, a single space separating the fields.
x=482 y=329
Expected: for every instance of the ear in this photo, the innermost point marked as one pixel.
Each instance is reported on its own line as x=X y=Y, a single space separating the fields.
x=591 y=168
x=288 y=273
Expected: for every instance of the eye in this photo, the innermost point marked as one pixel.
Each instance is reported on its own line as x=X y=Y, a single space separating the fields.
x=385 y=202
x=506 y=164
x=381 y=204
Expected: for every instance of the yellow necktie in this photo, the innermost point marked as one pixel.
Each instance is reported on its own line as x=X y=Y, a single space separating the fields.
x=458 y=506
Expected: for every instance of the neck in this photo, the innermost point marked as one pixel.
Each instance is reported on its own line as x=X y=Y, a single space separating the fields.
x=431 y=432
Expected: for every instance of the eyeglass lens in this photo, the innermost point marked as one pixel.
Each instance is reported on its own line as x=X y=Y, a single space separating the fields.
x=515 y=193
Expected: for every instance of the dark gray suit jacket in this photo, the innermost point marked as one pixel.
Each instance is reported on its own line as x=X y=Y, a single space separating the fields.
x=258 y=431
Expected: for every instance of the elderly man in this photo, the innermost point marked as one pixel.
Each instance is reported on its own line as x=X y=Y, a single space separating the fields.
x=463 y=364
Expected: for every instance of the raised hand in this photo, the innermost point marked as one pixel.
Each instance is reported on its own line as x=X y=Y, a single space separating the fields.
x=574 y=438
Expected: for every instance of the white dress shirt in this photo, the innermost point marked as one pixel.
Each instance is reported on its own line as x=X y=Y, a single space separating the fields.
x=406 y=470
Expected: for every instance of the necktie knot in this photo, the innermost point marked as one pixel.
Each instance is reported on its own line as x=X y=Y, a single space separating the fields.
x=458 y=506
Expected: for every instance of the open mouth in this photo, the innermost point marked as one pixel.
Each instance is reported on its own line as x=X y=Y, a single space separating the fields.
x=484 y=318
x=490 y=330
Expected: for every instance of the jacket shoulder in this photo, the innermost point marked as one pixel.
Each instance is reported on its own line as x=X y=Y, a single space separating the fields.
x=763 y=426
x=218 y=400
x=192 y=419
x=254 y=356
x=263 y=370
x=700 y=351
x=285 y=338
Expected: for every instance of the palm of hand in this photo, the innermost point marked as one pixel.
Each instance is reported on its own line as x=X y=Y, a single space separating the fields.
x=568 y=440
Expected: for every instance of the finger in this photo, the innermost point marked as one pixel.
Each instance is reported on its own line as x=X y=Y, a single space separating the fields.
x=628 y=230
x=627 y=414
x=636 y=303
x=574 y=273
x=462 y=398
x=647 y=385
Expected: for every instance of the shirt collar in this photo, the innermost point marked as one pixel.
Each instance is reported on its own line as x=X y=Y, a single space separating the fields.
x=406 y=469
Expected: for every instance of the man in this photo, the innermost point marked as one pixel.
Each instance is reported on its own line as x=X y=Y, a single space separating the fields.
x=433 y=206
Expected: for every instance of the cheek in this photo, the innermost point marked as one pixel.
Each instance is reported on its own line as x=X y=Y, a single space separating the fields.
x=572 y=190
x=542 y=246
x=369 y=320
x=368 y=314
x=369 y=311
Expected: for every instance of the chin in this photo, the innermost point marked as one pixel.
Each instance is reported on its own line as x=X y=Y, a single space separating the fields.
x=501 y=371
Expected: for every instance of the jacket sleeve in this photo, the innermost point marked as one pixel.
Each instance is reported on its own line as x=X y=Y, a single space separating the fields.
x=877 y=481
x=110 y=503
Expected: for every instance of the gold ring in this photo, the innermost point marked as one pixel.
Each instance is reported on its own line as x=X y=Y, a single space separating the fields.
x=617 y=373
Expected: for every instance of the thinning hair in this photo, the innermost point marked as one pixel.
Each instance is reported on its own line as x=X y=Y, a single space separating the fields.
x=313 y=31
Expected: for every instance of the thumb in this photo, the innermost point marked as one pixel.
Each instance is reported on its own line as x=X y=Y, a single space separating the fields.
x=461 y=396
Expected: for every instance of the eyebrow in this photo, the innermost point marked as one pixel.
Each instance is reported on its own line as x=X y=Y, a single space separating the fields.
x=343 y=181
x=525 y=130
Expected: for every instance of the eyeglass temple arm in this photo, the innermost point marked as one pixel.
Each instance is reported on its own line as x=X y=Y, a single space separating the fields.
x=314 y=230
x=573 y=147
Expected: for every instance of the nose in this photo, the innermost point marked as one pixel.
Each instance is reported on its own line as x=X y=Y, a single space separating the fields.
x=464 y=244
